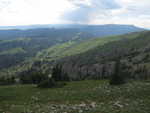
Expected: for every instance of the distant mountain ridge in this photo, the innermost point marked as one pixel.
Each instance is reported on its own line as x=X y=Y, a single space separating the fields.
x=11 y=32
x=36 y=26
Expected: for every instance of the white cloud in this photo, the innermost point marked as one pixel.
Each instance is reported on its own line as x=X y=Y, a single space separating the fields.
x=18 y=12
x=32 y=11
x=135 y=12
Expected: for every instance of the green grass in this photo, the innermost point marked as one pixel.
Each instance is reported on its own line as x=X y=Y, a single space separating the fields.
x=13 y=51
x=15 y=40
x=72 y=48
x=55 y=50
x=134 y=97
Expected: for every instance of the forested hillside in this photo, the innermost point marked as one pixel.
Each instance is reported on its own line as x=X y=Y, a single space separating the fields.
x=19 y=45
x=93 y=58
x=97 y=61
x=15 y=48
x=72 y=48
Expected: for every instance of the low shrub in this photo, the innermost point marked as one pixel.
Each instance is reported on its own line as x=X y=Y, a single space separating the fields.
x=49 y=83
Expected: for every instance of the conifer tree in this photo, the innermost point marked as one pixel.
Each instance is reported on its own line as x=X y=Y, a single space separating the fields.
x=117 y=78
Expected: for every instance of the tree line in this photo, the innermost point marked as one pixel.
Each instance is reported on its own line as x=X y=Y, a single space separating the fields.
x=58 y=77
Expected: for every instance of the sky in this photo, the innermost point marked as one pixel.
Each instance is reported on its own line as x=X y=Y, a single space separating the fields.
x=27 y=12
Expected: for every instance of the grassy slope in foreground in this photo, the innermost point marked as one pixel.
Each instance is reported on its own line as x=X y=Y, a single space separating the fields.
x=72 y=48
x=85 y=96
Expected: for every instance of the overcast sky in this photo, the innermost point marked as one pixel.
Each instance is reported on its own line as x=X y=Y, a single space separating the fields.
x=25 y=12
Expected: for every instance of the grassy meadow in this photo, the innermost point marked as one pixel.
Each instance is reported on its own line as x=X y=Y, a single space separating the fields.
x=91 y=96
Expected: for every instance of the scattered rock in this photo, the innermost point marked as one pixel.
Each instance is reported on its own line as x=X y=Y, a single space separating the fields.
x=80 y=111
x=93 y=104
x=82 y=105
x=118 y=104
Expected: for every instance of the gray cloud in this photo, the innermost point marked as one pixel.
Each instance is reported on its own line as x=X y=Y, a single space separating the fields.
x=110 y=12
x=85 y=12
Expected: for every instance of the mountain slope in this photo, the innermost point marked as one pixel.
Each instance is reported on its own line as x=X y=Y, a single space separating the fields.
x=16 y=48
x=51 y=33
x=81 y=61
x=134 y=53
x=72 y=48
x=18 y=45
x=87 y=57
